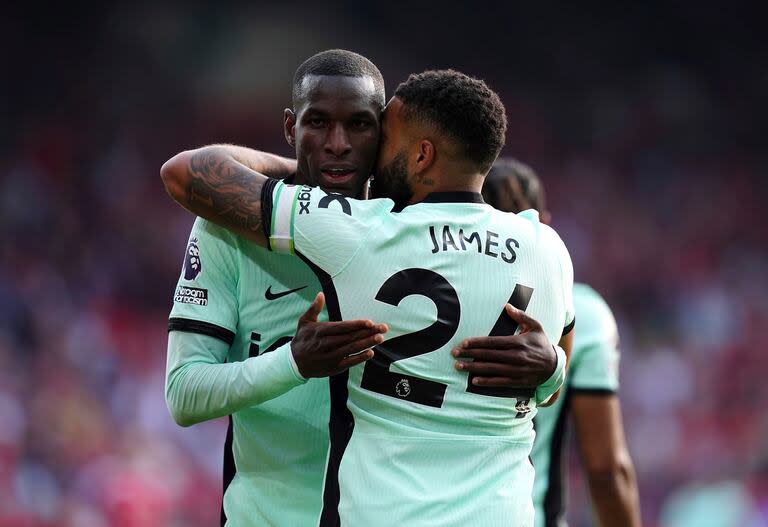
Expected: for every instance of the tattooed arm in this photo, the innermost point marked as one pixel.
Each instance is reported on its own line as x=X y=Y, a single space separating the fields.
x=217 y=183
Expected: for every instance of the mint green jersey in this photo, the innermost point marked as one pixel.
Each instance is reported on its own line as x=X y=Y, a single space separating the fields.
x=422 y=445
x=240 y=293
x=593 y=369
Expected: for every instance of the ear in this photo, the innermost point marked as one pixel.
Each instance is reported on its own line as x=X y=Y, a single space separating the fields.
x=289 y=126
x=425 y=156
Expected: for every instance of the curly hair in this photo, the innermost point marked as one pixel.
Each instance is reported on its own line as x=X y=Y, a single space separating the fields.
x=338 y=62
x=513 y=186
x=461 y=108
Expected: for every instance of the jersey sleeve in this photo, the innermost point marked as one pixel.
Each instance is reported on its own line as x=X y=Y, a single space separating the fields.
x=205 y=299
x=595 y=346
x=201 y=385
x=326 y=229
x=565 y=265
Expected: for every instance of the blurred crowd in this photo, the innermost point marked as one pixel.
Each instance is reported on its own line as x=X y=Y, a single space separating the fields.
x=653 y=179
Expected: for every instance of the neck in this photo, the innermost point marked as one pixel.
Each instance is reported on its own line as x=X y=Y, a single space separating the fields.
x=446 y=182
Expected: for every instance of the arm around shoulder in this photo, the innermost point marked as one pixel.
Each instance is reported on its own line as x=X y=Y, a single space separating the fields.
x=214 y=183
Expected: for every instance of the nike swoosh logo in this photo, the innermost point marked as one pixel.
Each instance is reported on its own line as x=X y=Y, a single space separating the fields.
x=269 y=295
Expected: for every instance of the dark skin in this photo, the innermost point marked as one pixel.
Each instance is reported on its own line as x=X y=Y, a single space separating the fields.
x=335 y=130
x=223 y=184
x=508 y=360
x=321 y=349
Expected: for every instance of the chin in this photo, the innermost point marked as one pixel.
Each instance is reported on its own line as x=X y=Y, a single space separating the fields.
x=348 y=188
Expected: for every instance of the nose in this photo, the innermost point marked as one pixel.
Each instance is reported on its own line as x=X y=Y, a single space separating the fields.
x=337 y=140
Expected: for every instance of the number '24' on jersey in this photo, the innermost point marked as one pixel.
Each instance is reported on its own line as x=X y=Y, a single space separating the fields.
x=436 y=272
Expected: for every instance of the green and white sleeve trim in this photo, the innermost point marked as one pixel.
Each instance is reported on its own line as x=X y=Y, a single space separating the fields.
x=555 y=381
x=283 y=211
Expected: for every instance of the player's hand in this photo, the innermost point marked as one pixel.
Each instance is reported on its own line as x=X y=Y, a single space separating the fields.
x=321 y=349
x=524 y=360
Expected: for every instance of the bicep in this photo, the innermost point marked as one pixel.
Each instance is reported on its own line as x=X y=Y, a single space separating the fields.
x=599 y=429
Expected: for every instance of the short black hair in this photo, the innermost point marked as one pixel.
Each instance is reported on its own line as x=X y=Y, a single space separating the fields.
x=513 y=186
x=338 y=62
x=460 y=107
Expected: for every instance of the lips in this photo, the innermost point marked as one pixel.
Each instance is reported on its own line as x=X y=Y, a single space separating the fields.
x=338 y=174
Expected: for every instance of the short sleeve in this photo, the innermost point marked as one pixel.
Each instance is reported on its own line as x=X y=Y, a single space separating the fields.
x=596 y=355
x=205 y=299
x=325 y=228
x=565 y=265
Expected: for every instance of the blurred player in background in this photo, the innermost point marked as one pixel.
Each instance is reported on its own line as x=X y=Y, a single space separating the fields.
x=589 y=394
x=236 y=306
x=420 y=442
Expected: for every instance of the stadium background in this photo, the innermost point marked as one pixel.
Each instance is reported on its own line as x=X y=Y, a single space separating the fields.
x=647 y=123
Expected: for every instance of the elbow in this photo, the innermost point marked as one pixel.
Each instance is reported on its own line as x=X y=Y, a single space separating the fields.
x=175 y=176
x=180 y=416
x=612 y=477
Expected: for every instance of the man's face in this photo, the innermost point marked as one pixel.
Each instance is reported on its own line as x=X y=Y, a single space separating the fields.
x=336 y=132
x=391 y=176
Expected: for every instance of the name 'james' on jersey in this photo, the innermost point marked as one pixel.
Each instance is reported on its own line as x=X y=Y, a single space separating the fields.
x=425 y=446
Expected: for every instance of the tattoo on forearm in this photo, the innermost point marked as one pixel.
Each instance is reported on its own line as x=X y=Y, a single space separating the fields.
x=225 y=189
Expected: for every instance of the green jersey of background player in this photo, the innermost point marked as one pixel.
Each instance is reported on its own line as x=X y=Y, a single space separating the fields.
x=236 y=305
x=590 y=392
x=424 y=443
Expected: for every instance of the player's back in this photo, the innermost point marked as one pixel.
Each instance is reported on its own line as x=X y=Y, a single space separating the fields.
x=425 y=447
x=446 y=451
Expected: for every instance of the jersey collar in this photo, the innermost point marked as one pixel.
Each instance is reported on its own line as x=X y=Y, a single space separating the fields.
x=454 y=197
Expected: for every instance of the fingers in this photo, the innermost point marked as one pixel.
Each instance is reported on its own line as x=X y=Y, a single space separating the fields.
x=335 y=343
x=311 y=314
x=503 y=356
x=492 y=374
x=325 y=329
x=488 y=369
x=527 y=323
x=354 y=360
x=505 y=342
x=501 y=382
x=361 y=345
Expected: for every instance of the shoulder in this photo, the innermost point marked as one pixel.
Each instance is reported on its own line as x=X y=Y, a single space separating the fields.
x=592 y=311
x=211 y=238
x=589 y=300
x=306 y=204
x=210 y=229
